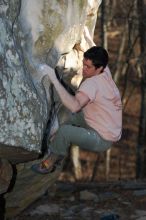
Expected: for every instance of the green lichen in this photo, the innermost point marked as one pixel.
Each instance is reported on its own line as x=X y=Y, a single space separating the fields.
x=82 y=4
x=2 y=36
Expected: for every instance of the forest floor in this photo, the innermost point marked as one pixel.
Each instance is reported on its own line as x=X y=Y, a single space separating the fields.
x=85 y=201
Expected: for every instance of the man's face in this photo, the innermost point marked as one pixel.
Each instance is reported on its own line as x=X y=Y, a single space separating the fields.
x=89 y=69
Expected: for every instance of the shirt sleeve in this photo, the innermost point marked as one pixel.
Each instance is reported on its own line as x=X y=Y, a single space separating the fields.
x=89 y=88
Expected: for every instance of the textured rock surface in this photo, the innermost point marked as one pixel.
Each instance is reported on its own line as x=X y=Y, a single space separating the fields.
x=34 y=32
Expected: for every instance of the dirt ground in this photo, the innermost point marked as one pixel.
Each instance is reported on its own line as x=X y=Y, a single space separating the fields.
x=79 y=201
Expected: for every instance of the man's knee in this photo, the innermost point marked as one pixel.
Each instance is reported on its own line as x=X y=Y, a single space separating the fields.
x=64 y=127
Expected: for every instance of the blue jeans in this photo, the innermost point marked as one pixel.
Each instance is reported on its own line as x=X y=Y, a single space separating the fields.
x=76 y=132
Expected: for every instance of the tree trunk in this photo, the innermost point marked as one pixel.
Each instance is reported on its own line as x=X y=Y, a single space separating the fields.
x=141 y=147
x=104 y=41
x=75 y=153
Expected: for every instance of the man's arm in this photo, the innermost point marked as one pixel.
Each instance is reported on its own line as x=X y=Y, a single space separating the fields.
x=73 y=103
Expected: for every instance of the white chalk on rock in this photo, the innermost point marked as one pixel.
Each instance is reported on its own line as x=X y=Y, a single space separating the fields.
x=41 y=66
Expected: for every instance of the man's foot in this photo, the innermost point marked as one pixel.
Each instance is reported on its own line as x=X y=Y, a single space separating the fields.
x=48 y=165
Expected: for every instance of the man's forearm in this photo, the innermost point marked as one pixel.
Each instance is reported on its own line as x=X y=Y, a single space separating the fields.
x=67 y=99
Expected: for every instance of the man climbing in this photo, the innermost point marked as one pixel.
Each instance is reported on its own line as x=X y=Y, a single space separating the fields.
x=96 y=108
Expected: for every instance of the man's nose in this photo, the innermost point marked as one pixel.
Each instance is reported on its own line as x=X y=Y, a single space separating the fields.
x=84 y=67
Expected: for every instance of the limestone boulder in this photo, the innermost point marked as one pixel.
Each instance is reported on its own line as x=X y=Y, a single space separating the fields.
x=35 y=32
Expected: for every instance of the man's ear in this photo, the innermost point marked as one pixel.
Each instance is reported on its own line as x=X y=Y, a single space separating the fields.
x=100 y=69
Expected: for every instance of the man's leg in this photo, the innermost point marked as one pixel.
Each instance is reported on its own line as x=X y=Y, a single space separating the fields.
x=69 y=134
x=85 y=138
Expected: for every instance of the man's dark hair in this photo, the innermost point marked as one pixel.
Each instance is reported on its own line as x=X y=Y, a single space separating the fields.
x=98 y=55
